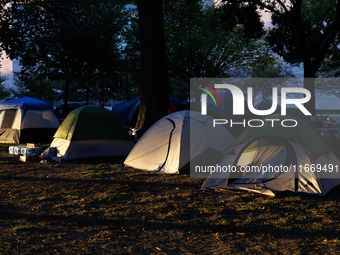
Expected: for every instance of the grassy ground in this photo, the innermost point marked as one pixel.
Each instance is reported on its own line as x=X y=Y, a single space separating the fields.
x=100 y=207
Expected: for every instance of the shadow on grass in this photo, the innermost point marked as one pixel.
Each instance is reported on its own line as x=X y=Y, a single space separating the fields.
x=141 y=183
x=133 y=223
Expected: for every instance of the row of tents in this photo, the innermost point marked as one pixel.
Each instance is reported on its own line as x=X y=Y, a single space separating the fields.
x=27 y=119
x=91 y=131
x=87 y=131
x=164 y=148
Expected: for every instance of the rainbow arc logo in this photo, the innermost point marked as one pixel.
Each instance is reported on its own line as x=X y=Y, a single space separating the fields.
x=209 y=93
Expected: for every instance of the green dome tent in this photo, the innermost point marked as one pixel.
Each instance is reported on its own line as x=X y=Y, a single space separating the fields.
x=91 y=131
x=270 y=160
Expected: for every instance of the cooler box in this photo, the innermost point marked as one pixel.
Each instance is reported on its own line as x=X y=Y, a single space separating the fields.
x=15 y=149
x=11 y=149
x=27 y=151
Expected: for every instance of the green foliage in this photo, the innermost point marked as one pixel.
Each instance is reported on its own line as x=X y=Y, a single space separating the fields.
x=5 y=93
x=43 y=89
x=131 y=55
x=319 y=12
x=318 y=37
x=205 y=41
x=328 y=86
x=305 y=31
x=91 y=50
x=268 y=64
x=65 y=40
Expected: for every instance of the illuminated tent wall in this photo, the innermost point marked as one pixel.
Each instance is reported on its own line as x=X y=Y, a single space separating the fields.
x=27 y=120
x=283 y=148
x=165 y=146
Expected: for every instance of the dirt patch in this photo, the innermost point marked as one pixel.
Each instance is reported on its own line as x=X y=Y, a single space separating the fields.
x=99 y=206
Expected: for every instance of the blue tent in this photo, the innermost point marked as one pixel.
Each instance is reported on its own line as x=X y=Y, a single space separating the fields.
x=26 y=103
x=27 y=120
x=128 y=111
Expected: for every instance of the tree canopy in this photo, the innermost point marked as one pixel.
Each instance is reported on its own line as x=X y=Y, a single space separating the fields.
x=304 y=31
x=96 y=50
x=204 y=41
x=65 y=40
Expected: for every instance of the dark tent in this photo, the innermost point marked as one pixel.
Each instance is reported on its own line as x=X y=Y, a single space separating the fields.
x=128 y=111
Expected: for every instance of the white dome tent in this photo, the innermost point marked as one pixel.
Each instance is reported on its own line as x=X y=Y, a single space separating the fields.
x=165 y=147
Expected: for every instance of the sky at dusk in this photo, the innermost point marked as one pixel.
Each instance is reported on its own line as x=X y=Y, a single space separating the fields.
x=6 y=65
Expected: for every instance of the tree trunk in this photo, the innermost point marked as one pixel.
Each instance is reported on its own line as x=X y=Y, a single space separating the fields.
x=309 y=84
x=155 y=85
